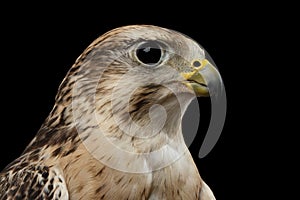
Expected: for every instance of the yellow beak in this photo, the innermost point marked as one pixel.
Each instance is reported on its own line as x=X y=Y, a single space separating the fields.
x=204 y=80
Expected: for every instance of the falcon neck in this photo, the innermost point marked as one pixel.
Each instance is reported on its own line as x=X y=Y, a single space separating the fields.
x=146 y=124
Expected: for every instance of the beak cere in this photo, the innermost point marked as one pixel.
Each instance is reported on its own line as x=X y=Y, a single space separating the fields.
x=204 y=80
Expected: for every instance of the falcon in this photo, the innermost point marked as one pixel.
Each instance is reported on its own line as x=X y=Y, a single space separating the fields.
x=115 y=129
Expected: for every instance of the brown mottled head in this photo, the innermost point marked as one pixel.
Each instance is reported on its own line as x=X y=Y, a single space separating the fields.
x=129 y=69
x=129 y=89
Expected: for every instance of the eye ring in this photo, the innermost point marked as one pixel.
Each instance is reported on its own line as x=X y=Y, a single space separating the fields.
x=149 y=53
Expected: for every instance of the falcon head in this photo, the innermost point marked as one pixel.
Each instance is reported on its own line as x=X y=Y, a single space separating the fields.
x=131 y=87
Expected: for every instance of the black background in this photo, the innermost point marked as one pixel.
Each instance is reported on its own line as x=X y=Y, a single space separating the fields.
x=40 y=44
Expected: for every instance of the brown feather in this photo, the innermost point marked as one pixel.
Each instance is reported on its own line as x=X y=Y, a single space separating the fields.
x=69 y=156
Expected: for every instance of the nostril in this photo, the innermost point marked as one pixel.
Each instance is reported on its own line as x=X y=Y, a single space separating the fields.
x=196 y=63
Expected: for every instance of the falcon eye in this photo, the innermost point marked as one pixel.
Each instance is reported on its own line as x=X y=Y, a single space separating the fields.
x=149 y=53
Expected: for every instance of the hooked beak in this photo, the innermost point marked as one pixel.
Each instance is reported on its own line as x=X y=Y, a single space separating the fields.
x=204 y=80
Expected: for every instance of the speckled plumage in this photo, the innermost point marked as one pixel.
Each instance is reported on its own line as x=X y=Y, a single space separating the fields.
x=68 y=157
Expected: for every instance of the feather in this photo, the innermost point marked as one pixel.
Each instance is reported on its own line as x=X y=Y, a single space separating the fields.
x=115 y=129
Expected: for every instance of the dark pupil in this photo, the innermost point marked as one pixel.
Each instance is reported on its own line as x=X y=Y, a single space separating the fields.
x=149 y=53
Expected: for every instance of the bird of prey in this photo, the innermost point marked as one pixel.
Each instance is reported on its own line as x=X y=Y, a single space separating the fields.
x=115 y=129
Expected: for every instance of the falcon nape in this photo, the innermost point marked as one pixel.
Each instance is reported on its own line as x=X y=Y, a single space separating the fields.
x=115 y=129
